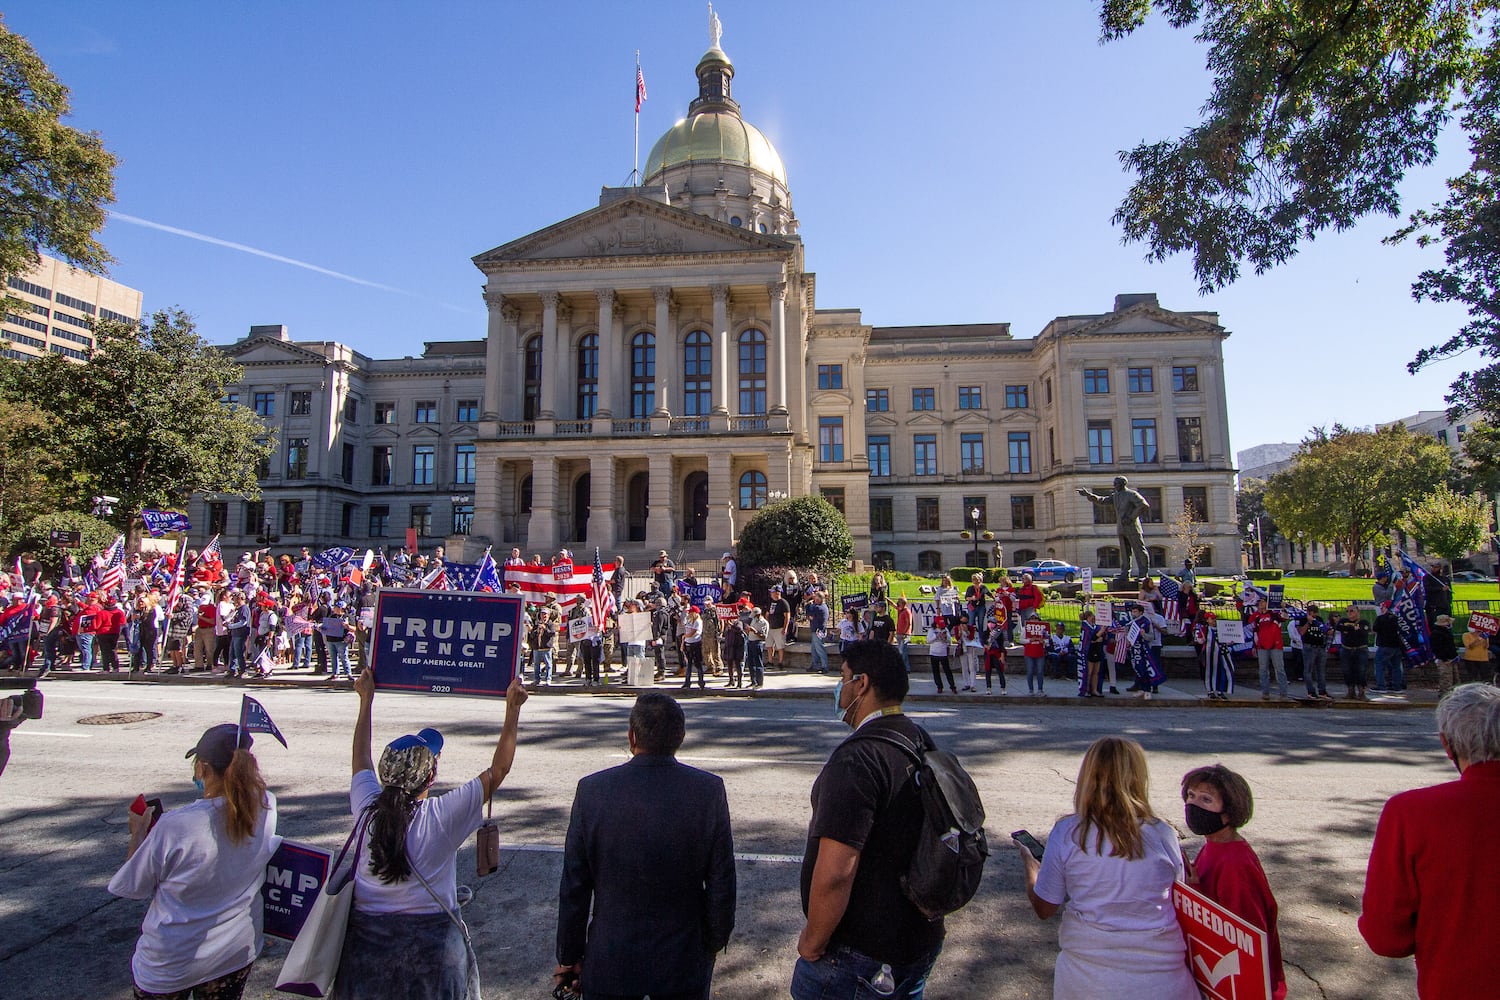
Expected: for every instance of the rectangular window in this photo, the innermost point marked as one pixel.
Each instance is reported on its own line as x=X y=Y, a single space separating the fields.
x=835 y=497
x=69 y=318
x=1153 y=497
x=115 y=317
x=970 y=397
x=351 y=409
x=346 y=464
x=58 y=333
x=1095 y=381
x=380 y=516
x=1101 y=443
x=928 y=514
x=971 y=504
x=291 y=517
x=265 y=404
x=22 y=285
x=385 y=413
x=380 y=465
x=878 y=448
x=971 y=453
x=924 y=399
x=263 y=463
x=1019 y=443
x=231 y=399
x=882 y=514
x=463 y=518
x=421 y=518
x=467 y=411
x=1190 y=439
x=425 y=411
x=924 y=454
x=423 y=465
x=255 y=517
x=463 y=464
x=299 y=404
x=72 y=303
x=1017 y=397
x=1143 y=440
x=830 y=376
x=218 y=517
x=1195 y=502
x=830 y=439
x=29 y=324
x=1051 y=447
x=1022 y=512
x=346 y=520
x=1185 y=378
x=296 y=458
x=1047 y=386
x=877 y=400
x=1140 y=380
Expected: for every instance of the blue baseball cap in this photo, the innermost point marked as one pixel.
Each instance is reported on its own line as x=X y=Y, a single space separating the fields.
x=429 y=738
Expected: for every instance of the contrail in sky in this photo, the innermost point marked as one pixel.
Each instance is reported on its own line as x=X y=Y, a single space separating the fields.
x=204 y=238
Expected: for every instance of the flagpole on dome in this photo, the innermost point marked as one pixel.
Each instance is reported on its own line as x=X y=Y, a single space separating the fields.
x=640 y=96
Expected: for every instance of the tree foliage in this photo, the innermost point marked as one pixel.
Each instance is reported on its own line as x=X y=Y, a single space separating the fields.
x=1449 y=523
x=55 y=181
x=35 y=536
x=1318 y=110
x=1479 y=471
x=805 y=531
x=1350 y=487
x=146 y=421
x=33 y=476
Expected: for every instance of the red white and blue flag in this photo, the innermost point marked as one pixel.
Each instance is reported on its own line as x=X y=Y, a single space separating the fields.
x=174 y=590
x=1171 y=595
x=601 y=598
x=436 y=579
x=640 y=88
x=112 y=573
x=537 y=583
x=211 y=559
x=487 y=579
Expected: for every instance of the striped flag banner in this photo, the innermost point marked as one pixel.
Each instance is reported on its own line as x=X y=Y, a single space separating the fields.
x=112 y=575
x=601 y=598
x=568 y=582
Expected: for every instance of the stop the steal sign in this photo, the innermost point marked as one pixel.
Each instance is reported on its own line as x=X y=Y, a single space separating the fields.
x=1228 y=954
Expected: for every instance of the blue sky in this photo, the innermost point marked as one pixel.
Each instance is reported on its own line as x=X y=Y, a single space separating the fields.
x=948 y=163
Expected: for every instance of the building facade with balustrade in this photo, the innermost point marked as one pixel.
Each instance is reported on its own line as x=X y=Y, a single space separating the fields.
x=655 y=369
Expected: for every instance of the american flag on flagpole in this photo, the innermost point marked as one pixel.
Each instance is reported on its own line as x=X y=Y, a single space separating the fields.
x=113 y=574
x=601 y=598
x=174 y=591
x=437 y=579
x=1171 y=602
x=640 y=87
x=211 y=558
x=1121 y=648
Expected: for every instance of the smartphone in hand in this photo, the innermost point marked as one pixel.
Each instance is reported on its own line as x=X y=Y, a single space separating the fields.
x=1029 y=842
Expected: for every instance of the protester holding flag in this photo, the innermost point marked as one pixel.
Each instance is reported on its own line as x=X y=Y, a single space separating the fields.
x=1354 y=651
x=1266 y=626
x=202 y=867
x=1389 y=675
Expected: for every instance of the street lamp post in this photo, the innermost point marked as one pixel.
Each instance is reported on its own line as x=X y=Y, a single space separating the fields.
x=1302 y=547
x=974 y=517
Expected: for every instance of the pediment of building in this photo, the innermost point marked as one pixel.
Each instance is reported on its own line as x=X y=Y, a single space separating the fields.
x=881 y=420
x=383 y=432
x=1144 y=318
x=631 y=227
x=271 y=351
x=424 y=431
x=970 y=418
x=1016 y=416
x=925 y=419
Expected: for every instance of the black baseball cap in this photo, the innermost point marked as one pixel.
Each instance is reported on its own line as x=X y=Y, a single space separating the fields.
x=217 y=745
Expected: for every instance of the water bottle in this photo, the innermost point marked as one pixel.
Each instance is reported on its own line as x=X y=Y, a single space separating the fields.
x=883 y=983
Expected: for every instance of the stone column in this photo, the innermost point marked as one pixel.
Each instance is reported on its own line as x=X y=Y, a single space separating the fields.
x=512 y=365
x=488 y=498
x=778 y=346
x=547 y=405
x=495 y=357
x=562 y=371
x=601 y=527
x=667 y=365
x=609 y=367
x=660 y=488
x=323 y=435
x=722 y=492
x=541 y=533
x=721 y=348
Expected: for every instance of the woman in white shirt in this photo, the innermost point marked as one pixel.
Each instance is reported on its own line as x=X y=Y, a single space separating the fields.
x=405 y=939
x=1110 y=867
x=202 y=867
x=937 y=653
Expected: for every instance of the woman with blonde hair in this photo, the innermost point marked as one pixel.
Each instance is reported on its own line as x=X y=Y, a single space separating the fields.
x=1113 y=862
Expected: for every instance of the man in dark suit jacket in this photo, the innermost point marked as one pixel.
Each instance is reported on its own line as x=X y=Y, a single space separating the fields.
x=650 y=850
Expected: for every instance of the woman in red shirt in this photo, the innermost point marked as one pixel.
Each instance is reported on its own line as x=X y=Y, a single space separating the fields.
x=1227 y=870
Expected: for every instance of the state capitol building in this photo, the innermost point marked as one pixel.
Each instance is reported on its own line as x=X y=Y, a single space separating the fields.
x=656 y=368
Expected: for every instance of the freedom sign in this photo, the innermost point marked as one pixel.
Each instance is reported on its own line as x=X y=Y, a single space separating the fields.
x=1484 y=623
x=447 y=641
x=294 y=878
x=1227 y=954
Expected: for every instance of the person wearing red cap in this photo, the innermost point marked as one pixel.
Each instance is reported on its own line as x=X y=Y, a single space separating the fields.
x=692 y=648
x=85 y=627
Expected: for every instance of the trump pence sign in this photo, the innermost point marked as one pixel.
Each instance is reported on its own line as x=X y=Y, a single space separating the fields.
x=447 y=641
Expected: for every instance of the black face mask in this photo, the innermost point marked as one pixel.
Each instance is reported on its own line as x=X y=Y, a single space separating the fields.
x=1202 y=822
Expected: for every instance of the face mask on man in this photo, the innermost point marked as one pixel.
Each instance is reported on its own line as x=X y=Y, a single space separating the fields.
x=840 y=713
x=1204 y=822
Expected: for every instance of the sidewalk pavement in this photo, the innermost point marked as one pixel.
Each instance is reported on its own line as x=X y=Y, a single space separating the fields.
x=795 y=682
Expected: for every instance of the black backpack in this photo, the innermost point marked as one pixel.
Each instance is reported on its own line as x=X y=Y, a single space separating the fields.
x=948 y=862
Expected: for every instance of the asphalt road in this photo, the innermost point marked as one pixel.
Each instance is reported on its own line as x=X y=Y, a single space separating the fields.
x=1320 y=778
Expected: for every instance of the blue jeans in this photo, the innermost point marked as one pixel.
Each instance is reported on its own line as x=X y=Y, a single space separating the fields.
x=901 y=647
x=237 y=651
x=85 y=650
x=754 y=665
x=844 y=974
x=1034 y=673
x=338 y=652
x=302 y=650
x=541 y=660
x=1390 y=672
x=819 y=653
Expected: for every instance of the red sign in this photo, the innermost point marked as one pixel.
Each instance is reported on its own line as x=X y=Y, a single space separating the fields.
x=1228 y=955
x=562 y=571
x=411 y=539
x=1036 y=630
x=1484 y=623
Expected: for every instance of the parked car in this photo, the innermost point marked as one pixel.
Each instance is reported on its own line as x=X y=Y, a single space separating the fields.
x=1469 y=576
x=1342 y=574
x=1048 y=569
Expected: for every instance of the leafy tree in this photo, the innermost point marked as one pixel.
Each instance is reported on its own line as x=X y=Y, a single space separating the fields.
x=803 y=531
x=147 y=421
x=34 y=537
x=32 y=476
x=1350 y=487
x=1448 y=523
x=1251 y=514
x=1480 y=469
x=1317 y=112
x=55 y=181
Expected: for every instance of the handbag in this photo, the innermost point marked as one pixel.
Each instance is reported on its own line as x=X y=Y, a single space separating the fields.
x=313 y=962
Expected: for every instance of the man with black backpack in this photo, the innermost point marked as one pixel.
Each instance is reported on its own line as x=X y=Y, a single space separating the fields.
x=877 y=876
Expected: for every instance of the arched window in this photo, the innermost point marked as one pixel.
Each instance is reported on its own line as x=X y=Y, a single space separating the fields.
x=1022 y=555
x=642 y=375
x=588 y=376
x=929 y=561
x=1157 y=557
x=697 y=375
x=523 y=504
x=531 y=399
x=883 y=560
x=752 y=372
x=1205 y=557
x=752 y=490
x=1108 y=557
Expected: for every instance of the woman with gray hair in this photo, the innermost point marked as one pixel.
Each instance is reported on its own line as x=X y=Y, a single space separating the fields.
x=1434 y=876
x=405 y=939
